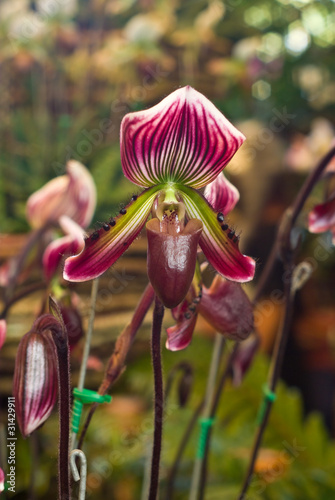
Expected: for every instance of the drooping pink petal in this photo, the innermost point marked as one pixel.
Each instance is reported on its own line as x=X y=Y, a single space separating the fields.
x=222 y=194
x=68 y=245
x=107 y=244
x=322 y=217
x=73 y=194
x=218 y=242
x=180 y=335
x=3 y=331
x=183 y=139
x=185 y=315
x=227 y=308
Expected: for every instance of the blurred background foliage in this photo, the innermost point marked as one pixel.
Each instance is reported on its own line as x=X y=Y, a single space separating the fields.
x=70 y=70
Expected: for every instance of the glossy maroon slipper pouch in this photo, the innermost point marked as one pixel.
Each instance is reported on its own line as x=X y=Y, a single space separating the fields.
x=172 y=259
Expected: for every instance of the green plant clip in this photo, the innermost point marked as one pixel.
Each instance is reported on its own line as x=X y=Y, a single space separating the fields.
x=269 y=397
x=205 y=425
x=81 y=397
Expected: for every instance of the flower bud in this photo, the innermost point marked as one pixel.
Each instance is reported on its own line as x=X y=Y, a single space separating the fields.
x=171 y=260
x=35 y=375
x=227 y=308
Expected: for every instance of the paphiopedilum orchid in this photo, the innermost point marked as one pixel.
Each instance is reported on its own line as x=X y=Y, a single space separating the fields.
x=172 y=150
x=72 y=194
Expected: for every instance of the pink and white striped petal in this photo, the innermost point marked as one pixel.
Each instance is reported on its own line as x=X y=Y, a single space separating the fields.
x=68 y=245
x=183 y=139
x=106 y=245
x=73 y=194
x=222 y=194
x=322 y=217
x=218 y=242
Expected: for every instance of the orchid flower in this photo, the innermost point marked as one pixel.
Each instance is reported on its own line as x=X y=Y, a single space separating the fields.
x=72 y=194
x=172 y=150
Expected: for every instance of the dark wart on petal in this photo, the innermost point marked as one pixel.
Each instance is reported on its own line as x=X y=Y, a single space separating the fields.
x=224 y=227
x=112 y=222
x=106 y=227
x=231 y=234
x=123 y=211
x=95 y=235
x=134 y=197
x=220 y=217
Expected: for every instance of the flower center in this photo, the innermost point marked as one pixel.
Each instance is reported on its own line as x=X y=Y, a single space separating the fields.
x=170 y=213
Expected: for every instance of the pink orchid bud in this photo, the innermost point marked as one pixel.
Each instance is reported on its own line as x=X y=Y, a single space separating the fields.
x=35 y=375
x=172 y=259
x=70 y=244
x=244 y=357
x=227 y=308
x=72 y=194
x=3 y=331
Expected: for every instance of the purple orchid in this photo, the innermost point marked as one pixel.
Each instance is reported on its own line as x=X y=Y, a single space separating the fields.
x=172 y=150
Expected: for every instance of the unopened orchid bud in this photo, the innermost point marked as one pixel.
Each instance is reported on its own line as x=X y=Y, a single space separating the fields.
x=3 y=331
x=72 y=194
x=172 y=259
x=227 y=308
x=35 y=375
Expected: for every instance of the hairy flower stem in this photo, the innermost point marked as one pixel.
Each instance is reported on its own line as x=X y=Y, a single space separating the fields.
x=64 y=395
x=159 y=397
x=209 y=397
x=123 y=344
x=289 y=219
x=87 y=345
x=274 y=373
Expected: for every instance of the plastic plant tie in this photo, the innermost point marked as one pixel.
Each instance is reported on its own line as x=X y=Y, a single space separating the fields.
x=269 y=397
x=81 y=397
x=205 y=425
